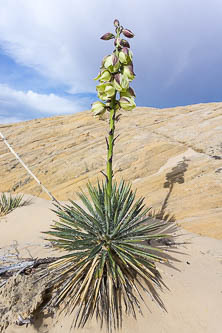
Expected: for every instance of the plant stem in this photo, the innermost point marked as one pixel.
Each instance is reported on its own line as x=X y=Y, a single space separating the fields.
x=110 y=146
x=111 y=136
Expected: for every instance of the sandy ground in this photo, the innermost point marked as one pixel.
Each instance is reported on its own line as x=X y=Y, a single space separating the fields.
x=193 y=303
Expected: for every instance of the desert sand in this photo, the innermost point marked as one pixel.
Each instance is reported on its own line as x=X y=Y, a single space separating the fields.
x=193 y=303
x=173 y=153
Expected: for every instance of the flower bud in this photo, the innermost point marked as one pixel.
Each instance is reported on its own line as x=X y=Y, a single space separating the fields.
x=112 y=63
x=118 y=78
x=124 y=83
x=114 y=59
x=127 y=33
x=105 y=76
x=107 y=36
x=120 y=82
x=117 y=82
x=116 y=23
x=128 y=93
x=98 y=108
x=128 y=71
x=127 y=103
x=124 y=43
x=110 y=90
x=131 y=92
x=125 y=50
x=124 y=56
x=103 y=60
x=105 y=91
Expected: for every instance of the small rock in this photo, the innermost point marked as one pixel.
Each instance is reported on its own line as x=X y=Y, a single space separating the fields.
x=216 y=157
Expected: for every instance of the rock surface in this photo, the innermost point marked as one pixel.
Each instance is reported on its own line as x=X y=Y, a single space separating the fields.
x=172 y=156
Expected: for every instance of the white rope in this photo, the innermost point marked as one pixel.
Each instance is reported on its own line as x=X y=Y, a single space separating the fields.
x=29 y=171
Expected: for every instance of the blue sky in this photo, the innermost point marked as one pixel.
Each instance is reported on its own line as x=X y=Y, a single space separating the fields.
x=50 y=51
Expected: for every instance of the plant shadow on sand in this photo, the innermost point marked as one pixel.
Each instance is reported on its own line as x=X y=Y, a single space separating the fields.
x=176 y=175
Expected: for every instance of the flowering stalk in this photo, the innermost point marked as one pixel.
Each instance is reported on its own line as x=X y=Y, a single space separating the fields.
x=110 y=146
x=115 y=75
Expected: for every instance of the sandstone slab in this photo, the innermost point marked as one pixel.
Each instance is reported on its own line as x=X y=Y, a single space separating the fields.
x=172 y=156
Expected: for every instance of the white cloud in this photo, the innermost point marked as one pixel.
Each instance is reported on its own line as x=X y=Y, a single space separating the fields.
x=19 y=105
x=60 y=39
x=53 y=37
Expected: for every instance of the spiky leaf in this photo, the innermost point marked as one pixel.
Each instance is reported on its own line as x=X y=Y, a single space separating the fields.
x=108 y=261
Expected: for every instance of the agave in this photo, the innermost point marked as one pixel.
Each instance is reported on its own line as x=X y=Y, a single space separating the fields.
x=9 y=203
x=109 y=261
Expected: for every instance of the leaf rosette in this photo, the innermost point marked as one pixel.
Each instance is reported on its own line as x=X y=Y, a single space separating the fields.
x=108 y=262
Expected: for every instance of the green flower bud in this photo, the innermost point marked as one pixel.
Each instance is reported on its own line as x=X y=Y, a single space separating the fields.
x=98 y=108
x=105 y=91
x=128 y=72
x=127 y=33
x=114 y=59
x=107 y=36
x=112 y=63
x=128 y=93
x=102 y=96
x=120 y=82
x=108 y=61
x=124 y=56
x=125 y=50
x=124 y=83
x=116 y=23
x=103 y=60
x=117 y=82
x=124 y=43
x=109 y=90
x=127 y=103
x=105 y=76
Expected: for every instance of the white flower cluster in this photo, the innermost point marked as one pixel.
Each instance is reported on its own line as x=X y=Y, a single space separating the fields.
x=115 y=75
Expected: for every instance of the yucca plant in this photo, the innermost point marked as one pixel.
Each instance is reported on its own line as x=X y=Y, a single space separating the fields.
x=109 y=262
x=9 y=203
